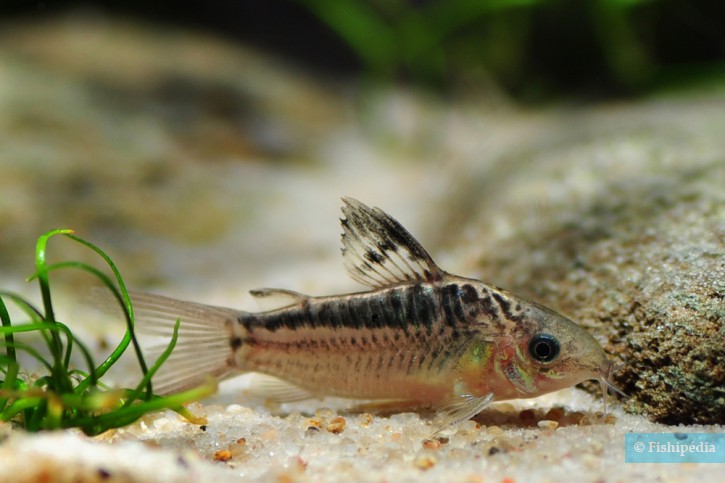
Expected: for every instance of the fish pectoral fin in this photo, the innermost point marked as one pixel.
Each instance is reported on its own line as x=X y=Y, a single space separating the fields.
x=277 y=298
x=458 y=409
x=379 y=252
x=278 y=390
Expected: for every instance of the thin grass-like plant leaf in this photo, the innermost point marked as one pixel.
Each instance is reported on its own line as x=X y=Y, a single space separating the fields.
x=122 y=296
x=10 y=373
x=30 y=310
x=66 y=397
x=35 y=354
x=40 y=265
x=5 y=318
x=159 y=361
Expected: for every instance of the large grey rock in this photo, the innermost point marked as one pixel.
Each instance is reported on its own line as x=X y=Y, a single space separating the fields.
x=617 y=219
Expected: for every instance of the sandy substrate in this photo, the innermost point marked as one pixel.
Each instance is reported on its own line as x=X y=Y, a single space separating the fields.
x=554 y=438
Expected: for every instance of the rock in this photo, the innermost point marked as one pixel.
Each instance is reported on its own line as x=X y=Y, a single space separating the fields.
x=617 y=219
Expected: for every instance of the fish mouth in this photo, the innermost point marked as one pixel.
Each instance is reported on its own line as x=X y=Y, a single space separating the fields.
x=605 y=382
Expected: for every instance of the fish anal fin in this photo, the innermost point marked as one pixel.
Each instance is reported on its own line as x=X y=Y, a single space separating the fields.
x=277 y=298
x=278 y=390
x=378 y=251
x=458 y=409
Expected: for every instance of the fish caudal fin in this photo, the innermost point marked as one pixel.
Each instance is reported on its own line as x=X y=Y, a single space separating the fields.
x=208 y=339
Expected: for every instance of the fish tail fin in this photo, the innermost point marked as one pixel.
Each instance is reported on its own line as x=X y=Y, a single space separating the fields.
x=208 y=340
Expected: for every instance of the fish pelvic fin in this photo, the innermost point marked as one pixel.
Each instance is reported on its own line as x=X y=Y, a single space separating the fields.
x=379 y=252
x=459 y=409
x=207 y=344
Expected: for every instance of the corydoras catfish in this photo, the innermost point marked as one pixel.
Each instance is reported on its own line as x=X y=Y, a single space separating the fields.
x=418 y=337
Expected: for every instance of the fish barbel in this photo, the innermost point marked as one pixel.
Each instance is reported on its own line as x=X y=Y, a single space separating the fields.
x=419 y=337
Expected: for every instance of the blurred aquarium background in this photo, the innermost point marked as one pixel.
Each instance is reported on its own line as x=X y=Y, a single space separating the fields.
x=533 y=50
x=206 y=144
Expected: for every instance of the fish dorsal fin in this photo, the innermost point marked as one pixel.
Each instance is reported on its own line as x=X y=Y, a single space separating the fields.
x=379 y=252
x=277 y=298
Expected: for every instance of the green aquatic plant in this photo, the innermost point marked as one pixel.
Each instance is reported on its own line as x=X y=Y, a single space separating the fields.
x=531 y=48
x=413 y=37
x=63 y=396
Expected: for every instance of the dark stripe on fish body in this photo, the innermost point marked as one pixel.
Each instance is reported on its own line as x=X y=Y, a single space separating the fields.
x=397 y=310
x=292 y=319
x=305 y=314
x=375 y=311
x=489 y=309
x=321 y=314
x=426 y=304
x=447 y=294
x=276 y=321
x=431 y=307
x=349 y=314
x=363 y=313
x=409 y=304
x=346 y=316
x=343 y=318
x=502 y=302
x=479 y=304
x=471 y=301
x=413 y=310
x=359 y=313
x=338 y=313
x=246 y=321
x=369 y=312
x=452 y=304
x=469 y=294
x=506 y=307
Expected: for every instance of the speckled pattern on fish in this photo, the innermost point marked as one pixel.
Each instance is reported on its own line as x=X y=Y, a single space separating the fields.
x=420 y=337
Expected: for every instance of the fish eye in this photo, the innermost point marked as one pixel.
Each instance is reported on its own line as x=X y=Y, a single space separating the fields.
x=544 y=347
